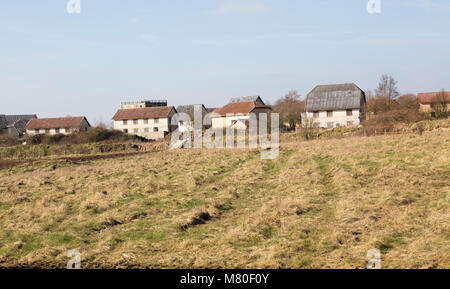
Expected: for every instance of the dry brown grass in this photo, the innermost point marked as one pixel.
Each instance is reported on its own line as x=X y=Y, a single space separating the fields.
x=321 y=204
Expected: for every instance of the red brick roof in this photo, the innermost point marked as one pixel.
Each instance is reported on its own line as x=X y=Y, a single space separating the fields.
x=299 y=105
x=143 y=113
x=238 y=108
x=430 y=97
x=60 y=122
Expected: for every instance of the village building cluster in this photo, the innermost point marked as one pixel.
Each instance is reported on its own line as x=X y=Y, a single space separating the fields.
x=326 y=106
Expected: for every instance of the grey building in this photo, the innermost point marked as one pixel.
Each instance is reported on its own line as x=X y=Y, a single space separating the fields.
x=336 y=105
x=255 y=99
x=190 y=110
x=14 y=125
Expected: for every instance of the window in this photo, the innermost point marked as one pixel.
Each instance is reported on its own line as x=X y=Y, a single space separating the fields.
x=155 y=129
x=316 y=114
x=156 y=120
x=349 y=112
x=338 y=125
x=330 y=113
x=67 y=130
x=47 y=130
x=146 y=129
x=181 y=122
x=330 y=124
x=135 y=121
x=125 y=131
x=125 y=122
x=145 y=121
x=136 y=130
x=36 y=131
x=349 y=123
x=57 y=130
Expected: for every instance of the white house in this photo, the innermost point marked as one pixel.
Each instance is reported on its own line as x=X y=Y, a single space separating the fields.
x=149 y=122
x=238 y=110
x=60 y=125
x=337 y=105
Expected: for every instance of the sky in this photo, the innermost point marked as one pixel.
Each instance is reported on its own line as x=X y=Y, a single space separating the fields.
x=54 y=63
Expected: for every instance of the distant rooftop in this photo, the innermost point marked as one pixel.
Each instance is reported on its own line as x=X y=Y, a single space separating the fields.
x=246 y=99
x=154 y=102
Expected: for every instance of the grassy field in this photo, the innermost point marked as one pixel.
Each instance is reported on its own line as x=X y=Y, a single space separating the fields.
x=321 y=204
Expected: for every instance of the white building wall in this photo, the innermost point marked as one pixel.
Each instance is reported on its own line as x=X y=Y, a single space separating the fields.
x=338 y=119
x=224 y=122
x=146 y=130
x=186 y=126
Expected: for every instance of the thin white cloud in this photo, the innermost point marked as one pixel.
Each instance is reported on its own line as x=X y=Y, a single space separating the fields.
x=242 y=7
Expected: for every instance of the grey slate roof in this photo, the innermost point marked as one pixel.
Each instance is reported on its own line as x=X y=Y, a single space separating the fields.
x=3 y=123
x=16 y=121
x=189 y=109
x=334 y=97
x=246 y=99
x=12 y=119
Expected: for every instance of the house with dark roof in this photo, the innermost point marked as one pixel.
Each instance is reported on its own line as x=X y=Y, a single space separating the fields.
x=430 y=99
x=186 y=122
x=14 y=125
x=247 y=99
x=58 y=125
x=239 y=109
x=336 y=105
x=148 y=122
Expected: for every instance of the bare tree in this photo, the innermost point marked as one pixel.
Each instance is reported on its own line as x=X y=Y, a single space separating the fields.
x=290 y=109
x=440 y=104
x=308 y=130
x=387 y=87
x=408 y=101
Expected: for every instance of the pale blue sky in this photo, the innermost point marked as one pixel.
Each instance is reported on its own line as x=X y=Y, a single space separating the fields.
x=206 y=51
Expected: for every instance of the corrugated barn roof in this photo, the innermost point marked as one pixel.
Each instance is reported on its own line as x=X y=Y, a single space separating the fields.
x=334 y=97
x=3 y=121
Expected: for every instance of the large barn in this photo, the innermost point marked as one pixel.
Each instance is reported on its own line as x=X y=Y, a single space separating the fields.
x=59 y=125
x=336 y=105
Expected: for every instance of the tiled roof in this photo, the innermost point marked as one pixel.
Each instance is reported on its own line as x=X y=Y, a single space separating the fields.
x=238 y=108
x=430 y=97
x=143 y=113
x=334 y=97
x=60 y=122
x=299 y=105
